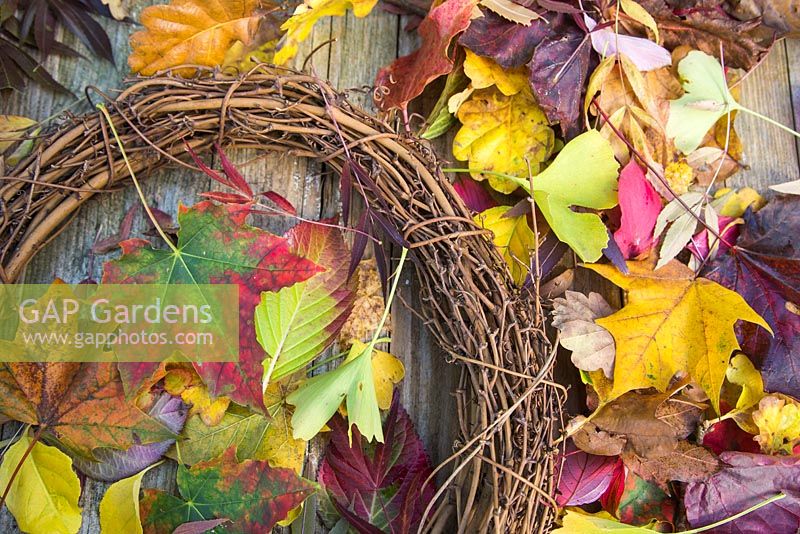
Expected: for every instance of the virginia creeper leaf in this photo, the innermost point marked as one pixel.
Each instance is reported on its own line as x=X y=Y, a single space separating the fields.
x=407 y=76
x=297 y=323
x=215 y=246
x=251 y=494
x=378 y=488
x=44 y=494
x=747 y=480
x=673 y=322
x=558 y=71
x=764 y=267
x=83 y=405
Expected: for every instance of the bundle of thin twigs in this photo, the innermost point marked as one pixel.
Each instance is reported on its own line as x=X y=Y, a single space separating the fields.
x=501 y=475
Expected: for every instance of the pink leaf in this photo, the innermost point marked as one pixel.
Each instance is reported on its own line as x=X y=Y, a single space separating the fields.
x=644 y=53
x=640 y=205
x=584 y=477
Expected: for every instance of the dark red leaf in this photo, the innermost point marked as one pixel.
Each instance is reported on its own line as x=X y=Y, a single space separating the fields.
x=727 y=436
x=378 y=487
x=281 y=202
x=748 y=480
x=509 y=44
x=558 y=73
x=764 y=267
x=584 y=478
x=474 y=195
x=237 y=181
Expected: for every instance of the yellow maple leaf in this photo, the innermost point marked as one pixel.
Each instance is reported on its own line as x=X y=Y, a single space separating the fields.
x=513 y=237
x=505 y=134
x=778 y=422
x=193 y=32
x=485 y=73
x=302 y=21
x=673 y=322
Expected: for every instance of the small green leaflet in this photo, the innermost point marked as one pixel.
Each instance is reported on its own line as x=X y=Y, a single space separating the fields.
x=318 y=399
x=294 y=325
x=705 y=100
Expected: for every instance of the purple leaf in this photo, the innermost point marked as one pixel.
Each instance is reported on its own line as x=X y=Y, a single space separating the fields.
x=115 y=464
x=584 y=477
x=198 y=527
x=748 y=480
x=507 y=43
x=558 y=72
x=474 y=195
x=613 y=253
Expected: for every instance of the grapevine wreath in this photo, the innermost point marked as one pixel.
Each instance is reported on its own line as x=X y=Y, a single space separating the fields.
x=509 y=407
x=603 y=127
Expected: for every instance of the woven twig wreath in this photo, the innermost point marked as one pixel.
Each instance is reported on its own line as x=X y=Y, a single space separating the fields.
x=502 y=473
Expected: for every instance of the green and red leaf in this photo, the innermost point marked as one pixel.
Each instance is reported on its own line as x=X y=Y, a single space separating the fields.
x=215 y=245
x=381 y=487
x=251 y=494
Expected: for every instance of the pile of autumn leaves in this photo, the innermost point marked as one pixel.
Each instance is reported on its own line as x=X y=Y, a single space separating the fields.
x=239 y=430
x=693 y=383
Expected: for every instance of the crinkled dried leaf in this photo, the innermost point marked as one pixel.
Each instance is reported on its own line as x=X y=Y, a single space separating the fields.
x=192 y=32
x=592 y=345
x=505 y=134
x=673 y=322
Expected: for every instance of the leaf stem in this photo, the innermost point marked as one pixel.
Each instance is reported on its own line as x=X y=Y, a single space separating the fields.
x=768 y=120
x=376 y=336
x=152 y=217
x=34 y=441
x=734 y=517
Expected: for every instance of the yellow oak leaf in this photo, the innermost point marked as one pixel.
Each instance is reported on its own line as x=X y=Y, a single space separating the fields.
x=194 y=32
x=119 y=509
x=513 y=237
x=302 y=21
x=43 y=497
x=672 y=322
x=778 y=422
x=485 y=73
x=502 y=134
x=210 y=410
